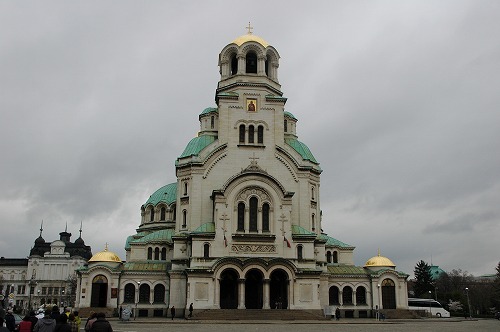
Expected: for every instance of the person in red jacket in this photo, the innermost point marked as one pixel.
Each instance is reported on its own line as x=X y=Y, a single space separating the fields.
x=25 y=324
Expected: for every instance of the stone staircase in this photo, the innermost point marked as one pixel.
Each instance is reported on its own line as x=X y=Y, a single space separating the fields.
x=258 y=314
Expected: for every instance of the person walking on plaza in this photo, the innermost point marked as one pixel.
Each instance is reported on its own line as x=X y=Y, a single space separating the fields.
x=25 y=324
x=72 y=323
x=33 y=319
x=172 y=312
x=190 y=310
x=92 y=318
x=101 y=324
x=62 y=324
x=337 y=313
x=77 y=320
x=10 y=321
x=45 y=324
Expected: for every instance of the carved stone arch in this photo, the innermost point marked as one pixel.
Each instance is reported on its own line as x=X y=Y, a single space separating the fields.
x=227 y=53
x=260 y=177
x=272 y=56
x=257 y=48
x=254 y=191
x=248 y=122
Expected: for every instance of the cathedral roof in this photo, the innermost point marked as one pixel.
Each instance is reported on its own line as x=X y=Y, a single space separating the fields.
x=301 y=149
x=149 y=266
x=163 y=235
x=208 y=227
x=345 y=270
x=330 y=241
x=290 y=115
x=250 y=37
x=197 y=144
x=105 y=256
x=166 y=194
x=379 y=261
x=209 y=110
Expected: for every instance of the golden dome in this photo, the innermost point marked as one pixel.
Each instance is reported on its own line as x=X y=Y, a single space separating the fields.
x=105 y=256
x=250 y=37
x=379 y=261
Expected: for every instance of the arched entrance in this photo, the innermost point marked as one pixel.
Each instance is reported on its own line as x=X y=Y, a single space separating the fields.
x=99 y=295
x=278 y=296
x=229 y=289
x=253 y=289
x=388 y=294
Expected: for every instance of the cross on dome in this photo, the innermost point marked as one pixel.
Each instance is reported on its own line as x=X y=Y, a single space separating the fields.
x=249 y=28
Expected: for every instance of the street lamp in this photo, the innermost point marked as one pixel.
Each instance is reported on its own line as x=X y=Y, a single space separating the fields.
x=378 y=306
x=468 y=301
x=31 y=290
x=430 y=304
x=137 y=299
x=62 y=298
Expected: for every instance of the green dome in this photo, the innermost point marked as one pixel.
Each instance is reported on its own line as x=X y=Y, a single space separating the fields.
x=289 y=115
x=197 y=144
x=166 y=194
x=209 y=110
x=301 y=148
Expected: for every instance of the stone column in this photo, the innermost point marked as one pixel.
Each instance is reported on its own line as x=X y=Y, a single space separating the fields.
x=241 y=64
x=241 y=293
x=216 y=294
x=266 y=290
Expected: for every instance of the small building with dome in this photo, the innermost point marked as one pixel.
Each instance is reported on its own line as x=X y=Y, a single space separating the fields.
x=242 y=226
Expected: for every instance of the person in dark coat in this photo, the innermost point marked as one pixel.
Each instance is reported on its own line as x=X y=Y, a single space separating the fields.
x=3 y=328
x=10 y=321
x=172 y=312
x=33 y=320
x=45 y=324
x=55 y=313
x=62 y=324
x=190 y=310
x=337 y=313
x=101 y=324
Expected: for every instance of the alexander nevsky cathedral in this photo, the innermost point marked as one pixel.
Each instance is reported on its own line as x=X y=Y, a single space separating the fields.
x=241 y=228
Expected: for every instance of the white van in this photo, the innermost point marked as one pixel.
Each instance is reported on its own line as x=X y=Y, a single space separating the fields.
x=428 y=305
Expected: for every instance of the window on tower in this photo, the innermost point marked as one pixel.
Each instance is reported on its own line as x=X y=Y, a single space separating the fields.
x=234 y=64
x=251 y=63
x=251 y=134
x=242 y=133
x=241 y=216
x=265 y=217
x=260 y=135
x=253 y=214
x=206 y=250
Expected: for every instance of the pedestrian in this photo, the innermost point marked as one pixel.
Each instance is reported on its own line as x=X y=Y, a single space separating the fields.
x=337 y=313
x=45 y=324
x=190 y=310
x=33 y=319
x=92 y=318
x=25 y=324
x=2 y=312
x=62 y=324
x=3 y=328
x=101 y=324
x=55 y=313
x=10 y=321
x=72 y=323
x=78 y=320
x=172 y=312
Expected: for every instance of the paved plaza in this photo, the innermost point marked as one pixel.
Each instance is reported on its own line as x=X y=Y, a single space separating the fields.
x=441 y=325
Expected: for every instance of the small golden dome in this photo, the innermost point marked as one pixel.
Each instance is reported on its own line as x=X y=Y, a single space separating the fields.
x=250 y=37
x=105 y=256
x=379 y=261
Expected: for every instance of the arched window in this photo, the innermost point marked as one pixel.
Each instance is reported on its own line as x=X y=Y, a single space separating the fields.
x=335 y=257
x=299 y=252
x=234 y=64
x=212 y=122
x=159 y=294
x=313 y=222
x=206 y=250
x=266 y=67
x=242 y=133
x=152 y=214
x=157 y=254
x=260 y=135
x=265 y=217
x=253 y=215
x=251 y=63
x=360 y=295
x=185 y=188
x=175 y=212
x=162 y=213
x=241 y=216
x=250 y=134
x=285 y=125
x=150 y=253
x=164 y=254
x=328 y=257
x=129 y=293
x=347 y=295
x=312 y=194
x=333 y=295
x=144 y=293
x=184 y=218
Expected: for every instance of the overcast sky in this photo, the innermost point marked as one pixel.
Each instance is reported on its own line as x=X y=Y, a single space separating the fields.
x=398 y=100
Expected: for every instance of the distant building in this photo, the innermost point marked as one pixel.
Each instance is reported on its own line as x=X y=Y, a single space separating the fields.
x=47 y=276
x=241 y=228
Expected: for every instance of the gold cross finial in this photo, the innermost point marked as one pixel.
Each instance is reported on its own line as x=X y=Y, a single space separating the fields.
x=250 y=28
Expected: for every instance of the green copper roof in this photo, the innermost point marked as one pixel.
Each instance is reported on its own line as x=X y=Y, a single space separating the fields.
x=209 y=110
x=290 y=115
x=334 y=242
x=301 y=148
x=208 y=227
x=197 y=144
x=346 y=270
x=154 y=266
x=131 y=238
x=298 y=230
x=164 y=235
x=166 y=194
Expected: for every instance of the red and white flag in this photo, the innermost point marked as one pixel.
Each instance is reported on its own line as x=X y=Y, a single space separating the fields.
x=287 y=242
